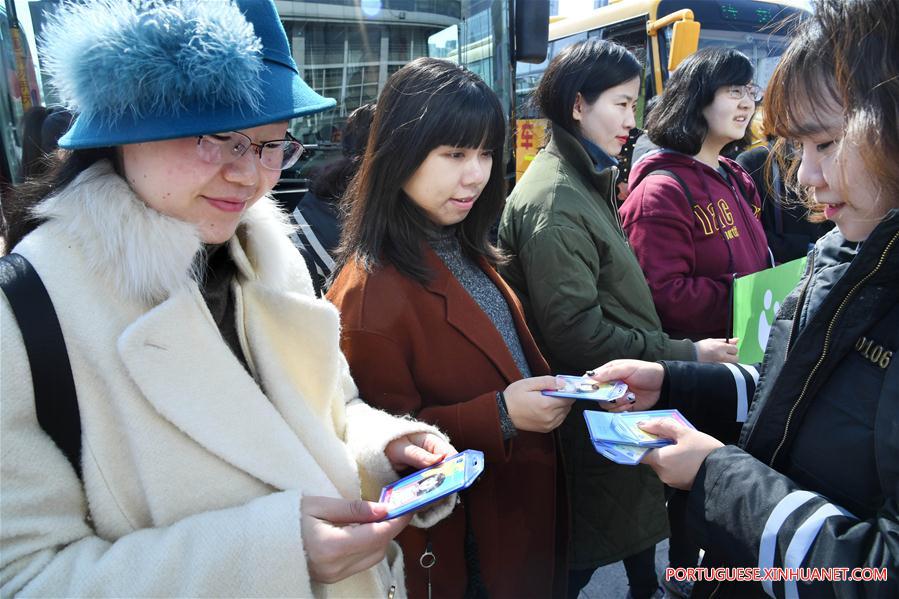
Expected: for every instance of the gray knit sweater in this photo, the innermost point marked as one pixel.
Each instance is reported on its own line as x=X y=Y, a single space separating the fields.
x=488 y=297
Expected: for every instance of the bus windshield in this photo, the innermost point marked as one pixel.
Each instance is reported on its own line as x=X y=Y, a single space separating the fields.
x=763 y=50
x=754 y=27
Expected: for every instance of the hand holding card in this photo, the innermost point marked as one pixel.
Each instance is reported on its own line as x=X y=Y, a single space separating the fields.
x=431 y=484
x=677 y=464
x=619 y=437
x=584 y=387
x=630 y=425
x=529 y=407
x=644 y=380
x=343 y=536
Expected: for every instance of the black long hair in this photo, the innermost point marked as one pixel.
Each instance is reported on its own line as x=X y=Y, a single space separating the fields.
x=43 y=126
x=677 y=122
x=62 y=169
x=331 y=183
x=426 y=104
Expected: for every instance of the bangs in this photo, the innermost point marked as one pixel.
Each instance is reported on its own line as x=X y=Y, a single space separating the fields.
x=800 y=90
x=476 y=120
x=734 y=70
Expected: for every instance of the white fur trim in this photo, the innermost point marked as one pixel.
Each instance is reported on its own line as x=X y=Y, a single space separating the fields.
x=144 y=254
x=262 y=248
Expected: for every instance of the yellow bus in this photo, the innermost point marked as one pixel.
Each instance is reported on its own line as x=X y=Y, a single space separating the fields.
x=659 y=32
x=646 y=27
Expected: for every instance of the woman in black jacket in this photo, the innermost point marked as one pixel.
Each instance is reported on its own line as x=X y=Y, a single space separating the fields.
x=318 y=215
x=814 y=479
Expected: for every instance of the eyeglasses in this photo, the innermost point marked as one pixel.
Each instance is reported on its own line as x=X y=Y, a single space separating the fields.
x=738 y=92
x=224 y=148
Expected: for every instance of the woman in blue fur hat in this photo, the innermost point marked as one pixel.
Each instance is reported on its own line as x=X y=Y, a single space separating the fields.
x=223 y=449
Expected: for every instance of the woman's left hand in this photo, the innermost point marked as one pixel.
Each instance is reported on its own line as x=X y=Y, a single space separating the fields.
x=678 y=464
x=417 y=450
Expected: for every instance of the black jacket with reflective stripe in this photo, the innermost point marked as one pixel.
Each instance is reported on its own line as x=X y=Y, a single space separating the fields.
x=814 y=480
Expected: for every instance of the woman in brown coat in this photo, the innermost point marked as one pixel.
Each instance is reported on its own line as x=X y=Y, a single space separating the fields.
x=430 y=329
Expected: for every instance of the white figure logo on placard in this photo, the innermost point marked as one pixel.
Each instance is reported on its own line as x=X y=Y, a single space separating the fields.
x=764 y=323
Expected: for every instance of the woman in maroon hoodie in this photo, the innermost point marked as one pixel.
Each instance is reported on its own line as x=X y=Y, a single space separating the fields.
x=693 y=215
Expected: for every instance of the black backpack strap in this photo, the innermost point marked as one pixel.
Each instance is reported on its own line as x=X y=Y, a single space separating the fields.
x=733 y=176
x=55 y=400
x=680 y=182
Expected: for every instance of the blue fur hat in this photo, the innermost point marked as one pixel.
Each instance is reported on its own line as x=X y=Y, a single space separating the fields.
x=147 y=70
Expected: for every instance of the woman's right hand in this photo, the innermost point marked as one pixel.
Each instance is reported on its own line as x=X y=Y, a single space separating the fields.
x=530 y=410
x=342 y=536
x=643 y=379
x=716 y=350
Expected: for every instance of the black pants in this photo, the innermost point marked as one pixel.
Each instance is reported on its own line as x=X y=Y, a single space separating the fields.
x=641 y=575
x=682 y=551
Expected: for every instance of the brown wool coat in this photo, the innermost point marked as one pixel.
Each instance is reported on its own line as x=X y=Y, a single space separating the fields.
x=429 y=350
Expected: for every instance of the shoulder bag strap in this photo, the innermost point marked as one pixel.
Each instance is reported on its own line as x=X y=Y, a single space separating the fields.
x=680 y=182
x=55 y=400
x=733 y=177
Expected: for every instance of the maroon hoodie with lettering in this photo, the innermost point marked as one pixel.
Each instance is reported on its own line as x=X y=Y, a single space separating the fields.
x=691 y=252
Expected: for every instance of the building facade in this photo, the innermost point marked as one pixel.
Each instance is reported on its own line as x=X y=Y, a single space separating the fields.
x=346 y=49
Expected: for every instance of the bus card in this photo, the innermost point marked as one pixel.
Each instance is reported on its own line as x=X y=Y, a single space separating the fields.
x=436 y=482
x=626 y=425
x=584 y=387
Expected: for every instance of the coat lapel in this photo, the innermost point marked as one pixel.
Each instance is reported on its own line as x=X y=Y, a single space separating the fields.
x=210 y=397
x=303 y=373
x=467 y=317
x=532 y=353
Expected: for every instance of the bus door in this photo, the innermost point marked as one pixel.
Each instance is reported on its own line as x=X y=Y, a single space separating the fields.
x=491 y=37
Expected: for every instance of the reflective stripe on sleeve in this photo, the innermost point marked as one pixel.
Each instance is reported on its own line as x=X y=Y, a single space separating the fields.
x=752 y=372
x=317 y=247
x=768 y=544
x=742 y=393
x=802 y=540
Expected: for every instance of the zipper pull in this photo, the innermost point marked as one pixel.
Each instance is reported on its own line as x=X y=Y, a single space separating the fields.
x=427 y=561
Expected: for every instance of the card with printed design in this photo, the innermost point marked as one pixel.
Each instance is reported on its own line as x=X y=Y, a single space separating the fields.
x=628 y=455
x=584 y=387
x=427 y=486
x=626 y=425
x=617 y=436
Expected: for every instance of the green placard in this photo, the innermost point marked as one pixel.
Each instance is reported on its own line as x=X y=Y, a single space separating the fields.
x=757 y=298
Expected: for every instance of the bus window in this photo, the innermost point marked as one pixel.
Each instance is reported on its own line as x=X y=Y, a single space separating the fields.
x=632 y=35
x=530 y=127
x=527 y=76
x=763 y=50
x=752 y=27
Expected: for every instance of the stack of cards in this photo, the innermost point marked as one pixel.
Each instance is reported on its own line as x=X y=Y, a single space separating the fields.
x=617 y=436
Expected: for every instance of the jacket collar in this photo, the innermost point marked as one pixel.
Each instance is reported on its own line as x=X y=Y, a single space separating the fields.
x=465 y=315
x=833 y=250
x=601 y=161
x=173 y=352
x=145 y=255
x=566 y=146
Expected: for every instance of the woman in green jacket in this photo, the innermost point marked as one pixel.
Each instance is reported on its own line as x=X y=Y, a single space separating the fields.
x=585 y=296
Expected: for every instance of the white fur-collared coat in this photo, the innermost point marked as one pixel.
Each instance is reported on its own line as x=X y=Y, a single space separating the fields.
x=193 y=469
